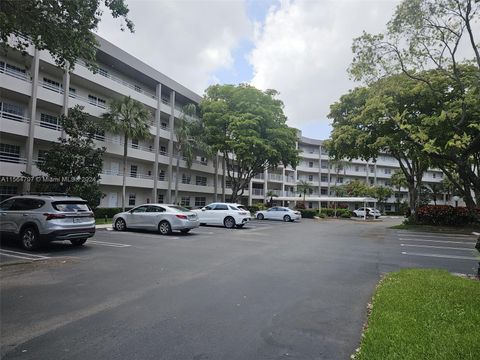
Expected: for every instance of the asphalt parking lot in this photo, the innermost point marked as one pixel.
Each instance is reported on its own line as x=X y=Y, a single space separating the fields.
x=273 y=290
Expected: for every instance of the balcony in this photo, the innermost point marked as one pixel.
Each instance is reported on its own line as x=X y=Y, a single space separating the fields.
x=257 y=192
x=275 y=177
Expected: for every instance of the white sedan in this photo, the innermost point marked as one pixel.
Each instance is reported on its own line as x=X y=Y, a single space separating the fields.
x=226 y=214
x=370 y=212
x=279 y=213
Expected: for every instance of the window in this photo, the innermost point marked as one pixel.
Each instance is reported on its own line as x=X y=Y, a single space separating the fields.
x=160 y=198
x=133 y=171
x=185 y=201
x=388 y=207
x=135 y=143
x=49 y=121
x=310 y=205
x=51 y=84
x=357 y=168
x=137 y=88
x=310 y=177
x=102 y=72
x=186 y=179
x=140 y=209
x=324 y=178
x=27 y=204
x=201 y=180
x=372 y=181
x=6 y=205
x=163 y=150
x=161 y=176
x=387 y=171
x=340 y=180
x=310 y=191
x=323 y=191
x=94 y=100
x=6 y=192
x=41 y=155
x=220 y=207
x=434 y=175
x=71 y=206
x=11 y=111
x=13 y=70
x=324 y=165
x=372 y=169
x=164 y=125
x=310 y=164
x=131 y=199
x=72 y=92
x=228 y=184
x=388 y=183
x=155 y=209
x=9 y=153
x=200 y=201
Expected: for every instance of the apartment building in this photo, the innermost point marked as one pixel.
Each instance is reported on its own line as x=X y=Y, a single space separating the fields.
x=33 y=96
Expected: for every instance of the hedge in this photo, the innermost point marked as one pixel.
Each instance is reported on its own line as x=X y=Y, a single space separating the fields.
x=444 y=215
x=100 y=213
x=308 y=214
x=340 y=212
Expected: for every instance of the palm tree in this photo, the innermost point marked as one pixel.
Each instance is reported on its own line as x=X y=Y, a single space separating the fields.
x=271 y=194
x=127 y=117
x=303 y=187
x=189 y=134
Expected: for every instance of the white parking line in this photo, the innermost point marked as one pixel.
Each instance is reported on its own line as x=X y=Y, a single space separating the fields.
x=438 y=241
x=22 y=255
x=440 y=256
x=434 y=235
x=103 y=243
x=437 y=247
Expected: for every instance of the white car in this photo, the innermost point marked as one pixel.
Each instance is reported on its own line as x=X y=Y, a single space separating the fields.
x=279 y=213
x=370 y=212
x=226 y=214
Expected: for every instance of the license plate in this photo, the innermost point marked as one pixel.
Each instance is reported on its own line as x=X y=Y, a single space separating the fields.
x=77 y=220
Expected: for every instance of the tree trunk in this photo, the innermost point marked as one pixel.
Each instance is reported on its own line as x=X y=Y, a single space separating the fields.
x=124 y=177
x=215 y=178
x=224 y=183
x=177 y=170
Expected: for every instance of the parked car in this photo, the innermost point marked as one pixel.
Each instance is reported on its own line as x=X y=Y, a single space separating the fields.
x=227 y=214
x=37 y=219
x=279 y=213
x=161 y=217
x=370 y=212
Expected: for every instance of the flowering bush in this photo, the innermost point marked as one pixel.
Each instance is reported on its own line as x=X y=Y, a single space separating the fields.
x=444 y=215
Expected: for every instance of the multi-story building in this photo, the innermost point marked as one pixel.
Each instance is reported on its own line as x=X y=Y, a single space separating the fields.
x=33 y=97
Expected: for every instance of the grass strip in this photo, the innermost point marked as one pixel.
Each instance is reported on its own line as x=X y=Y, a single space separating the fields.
x=423 y=314
x=440 y=229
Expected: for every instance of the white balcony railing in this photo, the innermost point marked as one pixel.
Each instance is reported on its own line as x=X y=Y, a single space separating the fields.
x=275 y=177
x=12 y=159
x=258 y=192
x=16 y=74
x=14 y=117
x=48 y=125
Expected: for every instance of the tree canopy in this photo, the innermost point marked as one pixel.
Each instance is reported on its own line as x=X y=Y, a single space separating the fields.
x=248 y=127
x=64 y=28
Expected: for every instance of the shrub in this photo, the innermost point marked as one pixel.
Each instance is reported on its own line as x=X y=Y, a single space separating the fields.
x=100 y=213
x=322 y=216
x=444 y=215
x=308 y=214
x=300 y=206
x=340 y=212
x=345 y=215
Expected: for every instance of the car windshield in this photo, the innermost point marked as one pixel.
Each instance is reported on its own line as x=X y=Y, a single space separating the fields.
x=178 y=208
x=71 y=206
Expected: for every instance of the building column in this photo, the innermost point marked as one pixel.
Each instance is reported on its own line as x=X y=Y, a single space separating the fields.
x=33 y=116
x=66 y=94
x=250 y=193
x=170 y=147
x=319 y=170
x=375 y=174
x=224 y=182
x=215 y=178
x=265 y=184
x=158 y=94
x=367 y=168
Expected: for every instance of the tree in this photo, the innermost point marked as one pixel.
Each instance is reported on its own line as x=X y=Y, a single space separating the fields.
x=398 y=179
x=271 y=194
x=436 y=190
x=367 y=123
x=381 y=193
x=304 y=187
x=74 y=162
x=189 y=138
x=248 y=127
x=129 y=118
x=64 y=28
x=427 y=41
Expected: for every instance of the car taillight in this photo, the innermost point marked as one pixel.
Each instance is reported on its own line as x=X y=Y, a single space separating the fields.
x=54 y=216
x=184 y=217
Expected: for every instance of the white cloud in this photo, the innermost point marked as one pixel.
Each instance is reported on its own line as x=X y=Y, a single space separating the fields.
x=304 y=48
x=186 y=40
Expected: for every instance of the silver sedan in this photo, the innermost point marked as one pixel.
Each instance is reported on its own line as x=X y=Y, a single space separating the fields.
x=160 y=217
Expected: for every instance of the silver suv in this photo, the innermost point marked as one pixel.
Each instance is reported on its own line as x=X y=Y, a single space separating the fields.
x=37 y=219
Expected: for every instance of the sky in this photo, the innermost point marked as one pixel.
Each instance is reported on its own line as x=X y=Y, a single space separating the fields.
x=300 y=48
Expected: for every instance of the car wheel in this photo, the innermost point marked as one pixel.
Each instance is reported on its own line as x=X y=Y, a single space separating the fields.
x=184 y=231
x=287 y=218
x=29 y=238
x=164 y=228
x=260 y=217
x=120 y=225
x=78 y=242
x=240 y=226
x=229 y=222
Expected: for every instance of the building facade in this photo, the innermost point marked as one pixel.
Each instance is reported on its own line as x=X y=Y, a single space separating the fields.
x=33 y=97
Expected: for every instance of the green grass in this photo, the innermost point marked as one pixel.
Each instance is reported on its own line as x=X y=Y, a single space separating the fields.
x=433 y=228
x=423 y=314
x=101 y=221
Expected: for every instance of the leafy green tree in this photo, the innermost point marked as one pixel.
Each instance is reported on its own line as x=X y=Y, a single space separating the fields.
x=435 y=35
x=304 y=187
x=74 y=161
x=129 y=118
x=357 y=188
x=271 y=194
x=381 y=193
x=398 y=179
x=64 y=28
x=248 y=127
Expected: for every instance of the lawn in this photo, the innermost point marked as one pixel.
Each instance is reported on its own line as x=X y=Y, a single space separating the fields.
x=423 y=314
x=102 y=221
